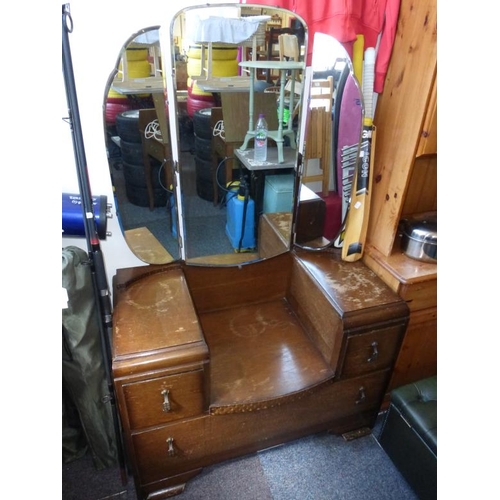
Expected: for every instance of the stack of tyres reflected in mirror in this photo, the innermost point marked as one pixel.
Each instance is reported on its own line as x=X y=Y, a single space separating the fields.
x=185 y=188
x=139 y=153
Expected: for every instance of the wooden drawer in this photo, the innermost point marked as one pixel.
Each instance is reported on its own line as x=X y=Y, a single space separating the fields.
x=149 y=404
x=195 y=443
x=371 y=351
x=356 y=396
x=355 y=402
x=169 y=450
x=417 y=358
x=420 y=295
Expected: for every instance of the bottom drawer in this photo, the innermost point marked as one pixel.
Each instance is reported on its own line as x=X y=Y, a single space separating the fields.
x=339 y=406
x=361 y=393
x=168 y=450
x=185 y=446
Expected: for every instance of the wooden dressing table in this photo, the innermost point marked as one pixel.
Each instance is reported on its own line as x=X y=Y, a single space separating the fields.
x=211 y=363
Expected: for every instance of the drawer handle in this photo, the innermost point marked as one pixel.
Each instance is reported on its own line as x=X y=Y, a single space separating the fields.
x=166 y=401
x=171 y=449
x=362 y=395
x=374 y=355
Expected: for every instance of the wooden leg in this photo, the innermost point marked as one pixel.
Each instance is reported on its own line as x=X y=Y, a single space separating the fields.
x=170 y=487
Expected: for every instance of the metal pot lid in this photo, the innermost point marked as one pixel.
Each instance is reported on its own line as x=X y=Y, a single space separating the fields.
x=421 y=230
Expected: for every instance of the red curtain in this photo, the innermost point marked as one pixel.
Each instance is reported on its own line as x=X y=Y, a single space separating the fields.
x=344 y=20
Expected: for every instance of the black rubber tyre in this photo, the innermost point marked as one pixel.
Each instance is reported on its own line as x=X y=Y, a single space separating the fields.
x=203 y=169
x=202 y=123
x=204 y=179
x=139 y=196
x=204 y=183
x=205 y=189
x=127 y=125
x=203 y=148
x=134 y=175
x=131 y=152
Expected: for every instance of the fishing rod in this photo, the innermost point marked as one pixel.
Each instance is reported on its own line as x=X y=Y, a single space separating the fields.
x=96 y=259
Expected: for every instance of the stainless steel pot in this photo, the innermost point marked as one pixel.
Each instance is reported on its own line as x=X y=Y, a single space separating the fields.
x=420 y=239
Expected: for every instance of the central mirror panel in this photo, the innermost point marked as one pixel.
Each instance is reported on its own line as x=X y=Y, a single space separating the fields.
x=232 y=63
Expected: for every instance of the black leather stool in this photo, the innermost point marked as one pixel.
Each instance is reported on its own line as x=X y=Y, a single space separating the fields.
x=409 y=435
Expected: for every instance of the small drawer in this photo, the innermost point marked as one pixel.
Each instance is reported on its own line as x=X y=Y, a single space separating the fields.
x=165 y=399
x=357 y=395
x=371 y=351
x=170 y=450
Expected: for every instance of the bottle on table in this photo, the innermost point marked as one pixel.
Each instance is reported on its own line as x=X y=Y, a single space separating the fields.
x=260 y=141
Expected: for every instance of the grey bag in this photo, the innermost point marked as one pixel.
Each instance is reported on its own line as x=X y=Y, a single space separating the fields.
x=83 y=372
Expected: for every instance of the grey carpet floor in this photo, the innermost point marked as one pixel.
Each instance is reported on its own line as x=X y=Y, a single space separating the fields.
x=318 y=467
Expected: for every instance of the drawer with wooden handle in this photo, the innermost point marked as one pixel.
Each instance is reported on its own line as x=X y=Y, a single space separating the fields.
x=165 y=399
x=371 y=351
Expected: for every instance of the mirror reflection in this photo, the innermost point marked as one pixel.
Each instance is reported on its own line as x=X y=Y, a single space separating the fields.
x=331 y=149
x=200 y=147
x=231 y=66
x=138 y=147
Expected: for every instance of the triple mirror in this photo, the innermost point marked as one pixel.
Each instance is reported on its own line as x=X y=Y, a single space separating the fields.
x=181 y=106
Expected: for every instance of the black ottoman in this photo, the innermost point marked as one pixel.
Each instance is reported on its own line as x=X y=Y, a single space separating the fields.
x=409 y=435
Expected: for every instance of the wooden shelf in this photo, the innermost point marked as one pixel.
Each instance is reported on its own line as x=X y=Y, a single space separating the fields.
x=398 y=269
